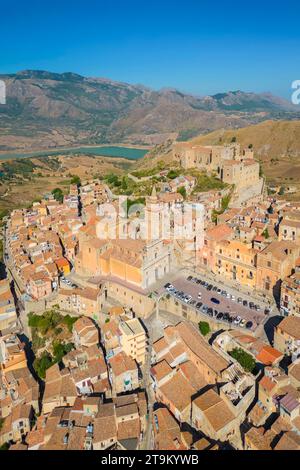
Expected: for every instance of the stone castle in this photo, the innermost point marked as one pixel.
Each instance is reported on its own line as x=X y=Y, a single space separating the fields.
x=231 y=164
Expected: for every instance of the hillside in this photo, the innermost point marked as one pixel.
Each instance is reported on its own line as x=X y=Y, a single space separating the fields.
x=270 y=139
x=26 y=179
x=48 y=110
x=276 y=145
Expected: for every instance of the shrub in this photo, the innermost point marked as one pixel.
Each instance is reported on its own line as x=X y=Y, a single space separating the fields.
x=58 y=194
x=69 y=321
x=173 y=174
x=76 y=180
x=244 y=359
x=204 y=328
x=42 y=363
x=182 y=191
x=60 y=350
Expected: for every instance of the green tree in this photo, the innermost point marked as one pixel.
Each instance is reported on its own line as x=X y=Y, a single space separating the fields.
x=245 y=359
x=4 y=446
x=76 y=180
x=173 y=174
x=69 y=321
x=124 y=184
x=182 y=191
x=204 y=328
x=58 y=194
x=233 y=140
x=42 y=363
x=60 y=350
x=266 y=233
x=281 y=191
x=261 y=173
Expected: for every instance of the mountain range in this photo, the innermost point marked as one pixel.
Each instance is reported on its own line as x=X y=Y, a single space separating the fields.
x=47 y=110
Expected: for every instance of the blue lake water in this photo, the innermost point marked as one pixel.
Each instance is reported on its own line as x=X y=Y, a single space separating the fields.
x=105 y=151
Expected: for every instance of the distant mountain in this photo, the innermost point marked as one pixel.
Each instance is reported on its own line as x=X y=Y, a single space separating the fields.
x=49 y=110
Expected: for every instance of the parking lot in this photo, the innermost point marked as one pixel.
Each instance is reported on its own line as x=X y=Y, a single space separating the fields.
x=217 y=303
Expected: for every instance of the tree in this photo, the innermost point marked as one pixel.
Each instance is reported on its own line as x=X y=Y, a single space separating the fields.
x=204 y=328
x=281 y=191
x=250 y=146
x=266 y=233
x=173 y=174
x=182 y=191
x=42 y=363
x=58 y=194
x=124 y=184
x=76 y=180
x=60 y=350
x=244 y=359
x=233 y=139
x=261 y=173
x=4 y=446
x=69 y=321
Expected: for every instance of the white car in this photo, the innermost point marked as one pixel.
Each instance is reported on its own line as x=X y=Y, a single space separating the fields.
x=199 y=295
x=237 y=321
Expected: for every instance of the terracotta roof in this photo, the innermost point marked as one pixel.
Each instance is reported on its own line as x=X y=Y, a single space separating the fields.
x=291 y=326
x=161 y=370
x=268 y=355
x=129 y=429
x=215 y=409
x=267 y=383
x=178 y=391
x=105 y=428
x=193 y=341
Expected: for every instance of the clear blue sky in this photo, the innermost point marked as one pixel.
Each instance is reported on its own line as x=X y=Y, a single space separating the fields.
x=198 y=46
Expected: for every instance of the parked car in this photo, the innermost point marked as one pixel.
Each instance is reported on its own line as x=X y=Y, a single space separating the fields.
x=237 y=320
x=219 y=291
x=245 y=303
x=220 y=316
x=240 y=300
x=214 y=300
x=199 y=305
x=249 y=325
x=166 y=286
x=243 y=322
x=189 y=278
x=170 y=287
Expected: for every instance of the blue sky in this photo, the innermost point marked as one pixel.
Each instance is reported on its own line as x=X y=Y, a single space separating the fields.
x=197 y=46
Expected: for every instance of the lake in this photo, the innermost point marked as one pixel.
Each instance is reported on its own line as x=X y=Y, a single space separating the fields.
x=103 y=151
